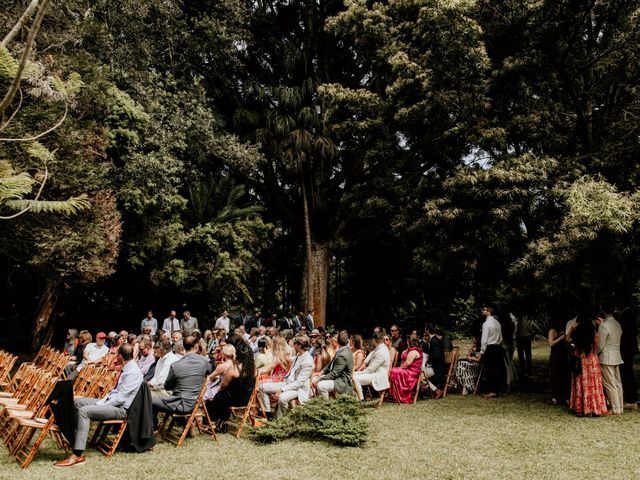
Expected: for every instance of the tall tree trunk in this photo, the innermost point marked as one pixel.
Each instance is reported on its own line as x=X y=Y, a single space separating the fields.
x=315 y=281
x=316 y=269
x=43 y=324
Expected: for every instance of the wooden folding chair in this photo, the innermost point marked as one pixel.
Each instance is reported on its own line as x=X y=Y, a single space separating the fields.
x=205 y=426
x=24 y=451
x=475 y=389
x=107 y=435
x=7 y=363
x=450 y=358
x=246 y=413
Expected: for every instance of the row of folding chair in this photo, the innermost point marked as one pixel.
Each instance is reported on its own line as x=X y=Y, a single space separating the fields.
x=7 y=361
x=94 y=381
x=25 y=413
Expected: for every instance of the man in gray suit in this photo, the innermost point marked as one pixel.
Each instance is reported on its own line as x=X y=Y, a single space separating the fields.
x=609 y=334
x=112 y=407
x=296 y=384
x=336 y=377
x=185 y=380
x=376 y=372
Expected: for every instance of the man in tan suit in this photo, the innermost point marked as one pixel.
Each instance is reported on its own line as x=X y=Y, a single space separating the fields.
x=609 y=333
x=376 y=372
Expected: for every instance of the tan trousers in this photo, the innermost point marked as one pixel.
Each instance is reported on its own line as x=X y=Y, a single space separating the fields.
x=612 y=383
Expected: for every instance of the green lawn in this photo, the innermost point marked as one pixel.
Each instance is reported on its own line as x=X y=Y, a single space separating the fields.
x=515 y=436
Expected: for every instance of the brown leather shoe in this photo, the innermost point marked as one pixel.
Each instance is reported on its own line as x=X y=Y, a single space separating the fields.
x=70 y=461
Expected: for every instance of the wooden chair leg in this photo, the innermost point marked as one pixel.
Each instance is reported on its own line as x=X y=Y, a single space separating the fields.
x=475 y=389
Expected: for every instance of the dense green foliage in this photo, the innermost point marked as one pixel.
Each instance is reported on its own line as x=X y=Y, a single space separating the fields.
x=339 y=422
x=405 y=159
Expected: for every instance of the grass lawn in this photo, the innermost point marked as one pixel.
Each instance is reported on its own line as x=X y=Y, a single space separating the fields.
x=514 y=436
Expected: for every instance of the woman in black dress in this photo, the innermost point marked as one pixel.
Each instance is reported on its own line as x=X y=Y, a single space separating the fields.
x=238 y=384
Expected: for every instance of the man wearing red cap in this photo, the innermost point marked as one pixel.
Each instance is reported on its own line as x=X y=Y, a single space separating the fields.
x=94 y=352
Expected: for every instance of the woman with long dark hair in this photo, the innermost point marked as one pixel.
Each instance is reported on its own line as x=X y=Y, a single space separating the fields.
x=587 y=395
x=558 y=361
x=238 y=383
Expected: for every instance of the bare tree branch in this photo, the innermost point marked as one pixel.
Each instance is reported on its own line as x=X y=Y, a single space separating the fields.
x=35 y=27
x=4 y=125
x=23 y=19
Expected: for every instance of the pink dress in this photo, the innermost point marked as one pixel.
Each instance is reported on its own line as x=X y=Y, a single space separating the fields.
x=587 y=394
x=403 y=380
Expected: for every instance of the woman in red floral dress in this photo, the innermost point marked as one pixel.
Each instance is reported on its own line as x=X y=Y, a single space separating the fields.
x=587 y=395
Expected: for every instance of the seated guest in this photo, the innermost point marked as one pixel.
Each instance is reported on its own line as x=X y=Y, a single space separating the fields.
x=253 y=340
x=184 y=380
x=280 y=363
x=405 y=377
x=296 y=383
x=112 y=407
x=92 y=353
x=436 y=356
x=238 y=384
x=336 y=377
x=397 y=341
x=84 y=339
x=164 y=359
x=322 y=358
x=133 y=341
x=376 y=371
x=359 y=354
x=111 y=359
x=393 y=353
x=264 y=357
x=217 y=376
x=468 y=369
x=147 y=357
x=176 y=336
x=72 y=342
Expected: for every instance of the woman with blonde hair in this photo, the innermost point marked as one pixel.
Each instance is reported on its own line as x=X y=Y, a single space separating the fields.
x=281 y=362
x=217 y=376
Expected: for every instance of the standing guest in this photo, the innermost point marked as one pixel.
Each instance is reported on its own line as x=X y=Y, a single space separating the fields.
x=285 y=322
x=491 y=352
x=511 y=373
x=309 y=321
x=357 y=349
x=609 y=335
x=337 y=376
x=523 y=334
x=188 y=323
x=72 y=342
x=164 y=359
x=628 y=350
x=112 y=407
x=244 y=319
x=184 y=380
x=587 y=395
x=436 y=356
x=404 y=378
x=376 y=371
x=149 y=321
x=298 y=320
x=258 y=321
x=295 y=385
x=223 y=322
x=558 y=362
x=146 y=357
x=171 y=323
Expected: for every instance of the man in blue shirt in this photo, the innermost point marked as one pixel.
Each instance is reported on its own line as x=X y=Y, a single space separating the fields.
x=113 y=406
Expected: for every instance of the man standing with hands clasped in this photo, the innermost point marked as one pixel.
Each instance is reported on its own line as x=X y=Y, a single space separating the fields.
x=609 y=333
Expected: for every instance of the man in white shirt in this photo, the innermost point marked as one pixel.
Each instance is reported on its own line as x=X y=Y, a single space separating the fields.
x=171 y=323
x=94 y=352
x=223 y=322
x=164 y=359
x=491 y=352
x=149 y=321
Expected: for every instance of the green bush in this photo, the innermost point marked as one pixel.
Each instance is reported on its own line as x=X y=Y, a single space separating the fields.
x=339 y=422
